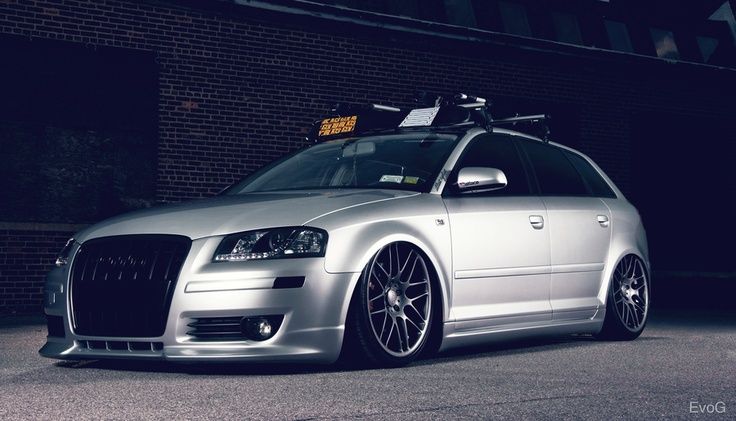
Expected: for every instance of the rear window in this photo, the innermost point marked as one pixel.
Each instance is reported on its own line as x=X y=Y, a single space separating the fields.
x=596 y=183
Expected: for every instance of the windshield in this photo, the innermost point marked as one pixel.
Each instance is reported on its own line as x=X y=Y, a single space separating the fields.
x=402 y=162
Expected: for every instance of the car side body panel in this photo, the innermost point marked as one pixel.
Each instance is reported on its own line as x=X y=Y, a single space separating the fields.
x=627 y=237
x=580 y=236
x=501 y=263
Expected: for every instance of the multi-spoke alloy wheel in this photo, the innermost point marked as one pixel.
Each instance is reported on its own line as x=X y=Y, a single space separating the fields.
x=392 y=311
x=628 y=301
x=399 y=301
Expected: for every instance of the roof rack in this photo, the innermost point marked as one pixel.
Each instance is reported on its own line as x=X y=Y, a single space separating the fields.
x=341 y=109
x=542 y=119
x=459 y=110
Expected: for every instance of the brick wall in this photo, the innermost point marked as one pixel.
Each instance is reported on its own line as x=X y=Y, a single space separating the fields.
x=238 y=87
x=25 y=257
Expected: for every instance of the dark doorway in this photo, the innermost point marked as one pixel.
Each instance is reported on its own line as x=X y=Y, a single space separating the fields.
x=78 y=130
x=683 y=185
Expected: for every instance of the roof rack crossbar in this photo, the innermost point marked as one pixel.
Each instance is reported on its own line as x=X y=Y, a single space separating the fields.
x=536 y=118
x=379 y=107
x=472 y=105
x=347 y=108
x=522 y=119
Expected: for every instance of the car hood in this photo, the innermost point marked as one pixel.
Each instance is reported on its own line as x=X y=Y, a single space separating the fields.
x=223 y=215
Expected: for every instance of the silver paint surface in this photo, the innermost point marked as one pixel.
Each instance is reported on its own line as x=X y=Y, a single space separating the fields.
x=505 y=266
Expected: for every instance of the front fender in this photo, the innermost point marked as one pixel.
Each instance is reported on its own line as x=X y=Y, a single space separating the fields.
x=350 y=248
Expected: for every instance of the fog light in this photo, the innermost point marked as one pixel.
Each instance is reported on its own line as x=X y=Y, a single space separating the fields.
x=260 y=328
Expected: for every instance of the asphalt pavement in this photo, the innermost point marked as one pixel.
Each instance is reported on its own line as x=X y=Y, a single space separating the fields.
x=682 y=367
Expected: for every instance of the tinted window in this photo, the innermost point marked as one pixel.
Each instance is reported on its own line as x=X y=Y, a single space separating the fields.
x=496 y=152
x=707 y=47
x=566 y=28
x=460 y=12
x=555 y=173
x=514 y=18
x=618 y=35
x=596 y=183
x=664 y=43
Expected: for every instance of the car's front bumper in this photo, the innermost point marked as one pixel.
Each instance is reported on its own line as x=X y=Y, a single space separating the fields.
x=313 y=314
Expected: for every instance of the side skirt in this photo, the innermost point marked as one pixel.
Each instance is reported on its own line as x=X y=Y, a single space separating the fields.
x=455 y=337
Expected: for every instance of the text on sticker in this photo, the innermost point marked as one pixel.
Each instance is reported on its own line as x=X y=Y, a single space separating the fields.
x=337 y=125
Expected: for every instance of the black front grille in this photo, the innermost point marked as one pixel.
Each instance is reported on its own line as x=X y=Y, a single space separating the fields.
x=216 y=329
x=141 y=347
x=123 y=285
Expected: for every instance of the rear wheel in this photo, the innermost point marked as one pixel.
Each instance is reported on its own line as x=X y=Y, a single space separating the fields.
x=391 y=311
x=627 y=306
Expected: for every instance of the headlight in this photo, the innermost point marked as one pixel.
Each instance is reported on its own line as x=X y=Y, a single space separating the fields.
x=63 y=258
x=275 y=243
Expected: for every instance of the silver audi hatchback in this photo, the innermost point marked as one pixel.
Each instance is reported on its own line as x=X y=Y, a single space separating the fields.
x=397 y=232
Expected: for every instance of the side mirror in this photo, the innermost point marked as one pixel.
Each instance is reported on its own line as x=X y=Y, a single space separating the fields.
x=480 y=179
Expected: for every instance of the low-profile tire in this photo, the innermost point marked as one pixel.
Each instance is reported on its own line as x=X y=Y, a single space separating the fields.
x=392 y=308
x=627 y=306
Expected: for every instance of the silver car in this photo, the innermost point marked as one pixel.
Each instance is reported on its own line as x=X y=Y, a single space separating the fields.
x=406 y=236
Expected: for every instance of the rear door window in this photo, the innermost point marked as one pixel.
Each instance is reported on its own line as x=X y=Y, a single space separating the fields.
x=596 y=183
x=555 y=173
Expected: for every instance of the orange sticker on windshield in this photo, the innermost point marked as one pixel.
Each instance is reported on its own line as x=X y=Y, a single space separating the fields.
x=337 y=125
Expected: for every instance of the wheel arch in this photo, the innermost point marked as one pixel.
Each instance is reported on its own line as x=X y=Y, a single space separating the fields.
x=627 y=237
x=436 y=268
x=613 y=263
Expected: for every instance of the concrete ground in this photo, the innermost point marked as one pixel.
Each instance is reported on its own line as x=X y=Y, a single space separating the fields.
x=683 y=366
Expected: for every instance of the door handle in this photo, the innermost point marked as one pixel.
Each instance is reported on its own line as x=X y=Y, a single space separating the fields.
x=537 y=221
x=603 y=221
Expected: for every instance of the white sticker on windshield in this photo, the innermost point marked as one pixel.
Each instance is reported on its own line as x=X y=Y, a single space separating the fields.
x=391 y=178
x=420 y=117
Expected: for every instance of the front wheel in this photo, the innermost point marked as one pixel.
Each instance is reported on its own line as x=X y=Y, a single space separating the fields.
x=391 y=311
x=627 y=305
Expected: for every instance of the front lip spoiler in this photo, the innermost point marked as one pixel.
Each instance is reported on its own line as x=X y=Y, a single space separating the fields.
x=211 y=352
